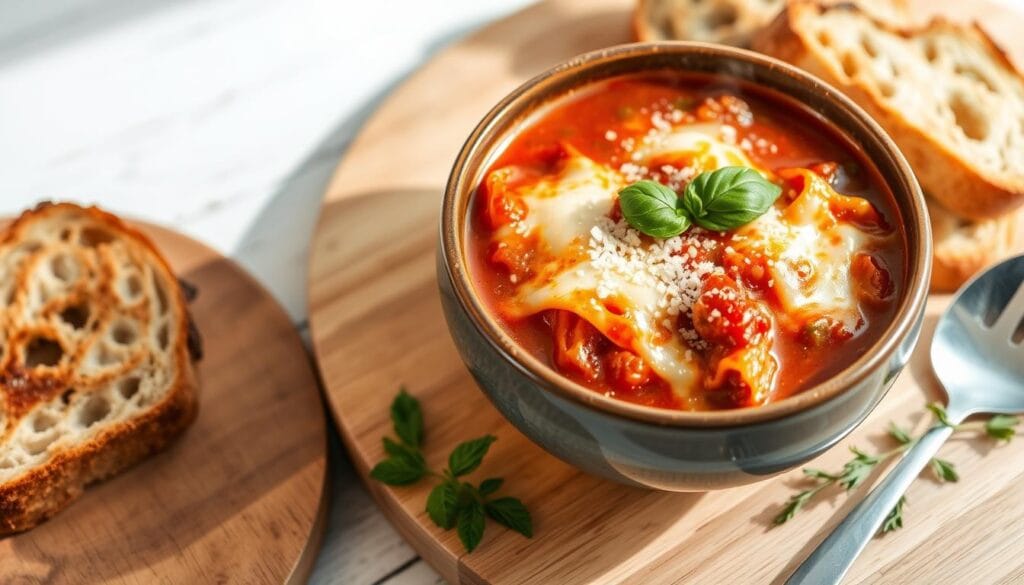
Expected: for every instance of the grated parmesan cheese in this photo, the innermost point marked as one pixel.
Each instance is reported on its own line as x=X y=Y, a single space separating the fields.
x=668 y=266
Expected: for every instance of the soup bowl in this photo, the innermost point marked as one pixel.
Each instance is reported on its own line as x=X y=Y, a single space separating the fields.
x=653 y=447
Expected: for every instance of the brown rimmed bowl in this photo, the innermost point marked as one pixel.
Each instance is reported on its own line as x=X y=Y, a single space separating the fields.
x=658 y=448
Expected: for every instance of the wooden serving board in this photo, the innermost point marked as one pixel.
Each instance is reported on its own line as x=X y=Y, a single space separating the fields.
x=377 y=324
x=240 y=497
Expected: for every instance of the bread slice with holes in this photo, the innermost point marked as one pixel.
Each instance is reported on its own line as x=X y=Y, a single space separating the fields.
x=948 y=96
x=96 y=371
x=963 y=247
x=729 y=22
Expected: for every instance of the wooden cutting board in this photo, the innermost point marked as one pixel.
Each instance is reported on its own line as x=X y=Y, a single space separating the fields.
x=240 y=497
x=377 y=324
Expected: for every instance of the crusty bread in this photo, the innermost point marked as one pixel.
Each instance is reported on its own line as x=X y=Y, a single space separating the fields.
x=729 y=22
x=95 y=367
x=947 y=95
x=964 y=247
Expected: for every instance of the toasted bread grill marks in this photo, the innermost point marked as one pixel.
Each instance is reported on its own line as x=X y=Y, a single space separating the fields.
x=94 y=368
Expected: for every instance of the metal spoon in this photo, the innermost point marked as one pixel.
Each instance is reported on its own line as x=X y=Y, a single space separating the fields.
x=977 y=354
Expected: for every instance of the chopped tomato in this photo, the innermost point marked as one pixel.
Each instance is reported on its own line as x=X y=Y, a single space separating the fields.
x=824 y=331
x=827 y=170
x=503 y=207
x=724 y=315
x=627 y=371
x=576 y=345
x=515 y=254
x=858 y=211
x=872 y=280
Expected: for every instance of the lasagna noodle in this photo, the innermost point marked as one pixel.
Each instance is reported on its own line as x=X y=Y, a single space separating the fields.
x=810 y=250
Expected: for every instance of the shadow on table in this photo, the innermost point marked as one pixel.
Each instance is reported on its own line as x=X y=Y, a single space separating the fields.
x=266 y=250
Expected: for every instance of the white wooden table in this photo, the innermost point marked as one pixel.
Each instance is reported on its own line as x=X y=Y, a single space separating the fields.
x=223 y=119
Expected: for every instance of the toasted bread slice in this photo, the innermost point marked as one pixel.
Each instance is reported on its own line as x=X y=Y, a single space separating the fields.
x=947 y=95
x=729 y=22
x=95 y=368
x=963 y=247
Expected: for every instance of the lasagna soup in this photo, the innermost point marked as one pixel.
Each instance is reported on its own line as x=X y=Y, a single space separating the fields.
x=705 y=319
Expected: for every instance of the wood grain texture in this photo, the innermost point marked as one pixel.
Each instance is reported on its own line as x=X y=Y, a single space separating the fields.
x=240 y=497
x=376 y=324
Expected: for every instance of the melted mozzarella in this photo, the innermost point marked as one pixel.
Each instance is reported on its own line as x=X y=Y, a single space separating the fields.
x=627 y=304
x=628 y=316
x=700 y=145
x=561 y=210
x=811 y=253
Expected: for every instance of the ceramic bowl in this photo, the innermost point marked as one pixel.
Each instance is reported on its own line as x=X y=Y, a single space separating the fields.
x=657 y=448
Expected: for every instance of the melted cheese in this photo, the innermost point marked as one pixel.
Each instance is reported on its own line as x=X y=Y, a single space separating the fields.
x=702 y=146
x=562 y=209
x=811 y=253
x=629 y=303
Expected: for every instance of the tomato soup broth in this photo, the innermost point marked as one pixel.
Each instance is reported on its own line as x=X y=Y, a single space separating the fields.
x=706 y=319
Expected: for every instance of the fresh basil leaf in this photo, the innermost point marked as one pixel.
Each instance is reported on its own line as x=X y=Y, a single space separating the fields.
x=728 y=198
x=471 y=524
x=399 y=470
x=944 y=470
x=490 y=485
x=653 y=208
x=511 y=513
x=1001 y=427
x=468 y=456
x=393 y=448
x=442 y=504
x=407 y=418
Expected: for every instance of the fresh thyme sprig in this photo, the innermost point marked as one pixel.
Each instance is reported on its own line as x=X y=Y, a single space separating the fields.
x=453 y=503
x=857 y=470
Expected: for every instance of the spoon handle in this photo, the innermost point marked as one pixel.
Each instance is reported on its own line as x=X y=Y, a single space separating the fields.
x=829 y=562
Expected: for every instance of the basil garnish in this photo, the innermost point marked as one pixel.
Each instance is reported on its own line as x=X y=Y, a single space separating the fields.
x=653 y=209
x=728 y=198
x=717 y=200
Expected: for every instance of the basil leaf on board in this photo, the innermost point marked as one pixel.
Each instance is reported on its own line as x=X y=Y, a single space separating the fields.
x=653 y=209
x=442 y=504
x=399 y=470
x=467 y=456
x=490 y=485
x=511 y=513
x=407 y=418
x=471 y=524
x=728 y=198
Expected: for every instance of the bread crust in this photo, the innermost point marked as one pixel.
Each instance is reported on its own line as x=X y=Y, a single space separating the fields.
x=957 y=183
x=45 y=489
x=963 y=248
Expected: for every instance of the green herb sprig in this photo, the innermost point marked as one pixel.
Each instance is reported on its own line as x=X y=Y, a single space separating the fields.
x=717 y=200
x=858 y=469
x=454 y=502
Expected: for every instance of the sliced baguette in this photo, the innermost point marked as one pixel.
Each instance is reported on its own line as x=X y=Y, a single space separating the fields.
x=947 y=95
x=95 y=368
x=728 y=22
x=963 y=247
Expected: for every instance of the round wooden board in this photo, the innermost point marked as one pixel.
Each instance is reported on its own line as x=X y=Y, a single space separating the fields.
x=377 y=324
x=240 y=497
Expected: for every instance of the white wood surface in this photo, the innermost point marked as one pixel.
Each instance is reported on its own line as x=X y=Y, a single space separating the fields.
x=223 y=119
